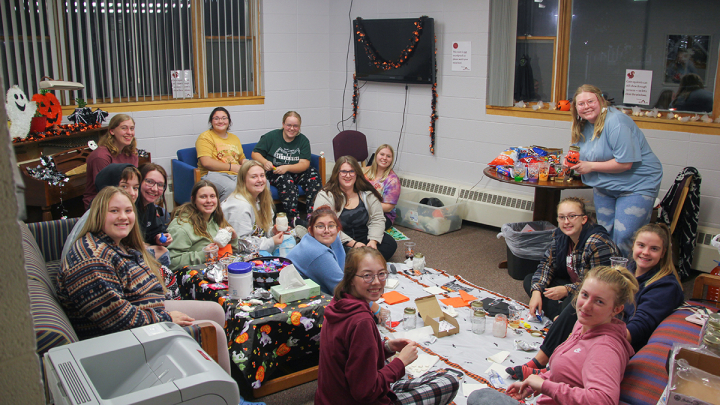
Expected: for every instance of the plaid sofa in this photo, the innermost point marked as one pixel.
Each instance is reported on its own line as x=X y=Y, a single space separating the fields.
x=42 y=246
x=646 y=375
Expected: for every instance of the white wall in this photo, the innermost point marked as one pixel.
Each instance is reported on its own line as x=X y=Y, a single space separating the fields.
x=305 y=45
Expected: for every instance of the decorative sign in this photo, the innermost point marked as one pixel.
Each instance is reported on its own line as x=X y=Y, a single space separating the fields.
x=638 y=84
x=461 y=56
x=182 y=86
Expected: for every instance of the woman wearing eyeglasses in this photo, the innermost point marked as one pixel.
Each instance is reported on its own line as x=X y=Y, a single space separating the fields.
x=285 y=155
x=220 y=153
x=151 y=216
x=320 y=255
x=359 y=206
x=249 y=209
x=577 y=246
x=616 y=160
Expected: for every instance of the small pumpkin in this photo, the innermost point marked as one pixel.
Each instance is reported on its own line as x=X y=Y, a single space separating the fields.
x=260 y=375
x=242 y=338
x=295 y=318
x=265 y=328
x=49 y=106
x=563 y=105
x=282 y=350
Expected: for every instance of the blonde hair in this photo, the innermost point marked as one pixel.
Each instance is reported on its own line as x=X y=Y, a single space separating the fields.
x=96 y=221
x=189 y=212
x=291 y=114
x=263 y=216
x=578 y=123
x=352 y=262
x=623 y=283
x=666 y=264
x=107 y=139
x=372 y=170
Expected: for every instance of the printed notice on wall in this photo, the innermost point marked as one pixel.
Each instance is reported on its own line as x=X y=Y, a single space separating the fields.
x=182 y=86
x=461 y=56
x=637 y=86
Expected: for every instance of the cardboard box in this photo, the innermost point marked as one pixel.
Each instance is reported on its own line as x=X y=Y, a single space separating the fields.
x=284 y=296
x=694 y=393
x=429 y=308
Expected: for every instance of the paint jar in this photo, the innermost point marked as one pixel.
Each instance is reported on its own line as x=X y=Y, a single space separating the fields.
x=475 y=305
x=211 y=253
x=500 y=326
x=478 y=322
x=617 y=262
x=240 y=280
x=409 y=250
x=418 y=263
x=409 y=318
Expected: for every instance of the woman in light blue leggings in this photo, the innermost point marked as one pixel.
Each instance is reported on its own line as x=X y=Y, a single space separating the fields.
x=616 y=160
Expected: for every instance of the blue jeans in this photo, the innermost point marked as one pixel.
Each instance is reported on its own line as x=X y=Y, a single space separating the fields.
x=622 y=214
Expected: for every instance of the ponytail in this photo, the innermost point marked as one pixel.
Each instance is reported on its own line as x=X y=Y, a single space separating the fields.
x=619 y=279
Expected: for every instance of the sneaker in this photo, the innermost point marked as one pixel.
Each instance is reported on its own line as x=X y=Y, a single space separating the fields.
x=297 y=221
x=300 y=231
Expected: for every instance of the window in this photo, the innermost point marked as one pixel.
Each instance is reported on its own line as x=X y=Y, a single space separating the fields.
x=133 y=51
x=568 y=43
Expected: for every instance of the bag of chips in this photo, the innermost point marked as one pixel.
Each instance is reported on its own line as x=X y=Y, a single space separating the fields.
x=506 y=158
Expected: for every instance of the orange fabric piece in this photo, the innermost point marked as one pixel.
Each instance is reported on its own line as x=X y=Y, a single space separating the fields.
x=467 y=297
x=394 y=297
x=456 y=302
x=226 y=251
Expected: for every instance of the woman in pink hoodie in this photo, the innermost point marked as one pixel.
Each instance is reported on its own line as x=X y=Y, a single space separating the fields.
x=588 y=367
x=352 y=367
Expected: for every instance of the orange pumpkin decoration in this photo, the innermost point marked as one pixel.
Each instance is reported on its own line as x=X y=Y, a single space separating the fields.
x=279 y=305
x=295 y=318
x=260 y=375
x=49 y=106
x=242 y=338
x=265 y=328
x=282 y=350
x=193 y=272
x=563 y=105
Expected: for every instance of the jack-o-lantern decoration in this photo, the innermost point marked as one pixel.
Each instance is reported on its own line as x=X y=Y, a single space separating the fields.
x=49 y=106
x=563 y=105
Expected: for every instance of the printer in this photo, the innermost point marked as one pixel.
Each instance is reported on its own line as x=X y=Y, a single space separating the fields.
x=155 y=364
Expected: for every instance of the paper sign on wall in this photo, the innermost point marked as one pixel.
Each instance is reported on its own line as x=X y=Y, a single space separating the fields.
x=638 y=84
x=461 y=56
x=182 y=86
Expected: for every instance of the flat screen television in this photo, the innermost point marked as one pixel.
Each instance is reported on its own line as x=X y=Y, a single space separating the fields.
x=389 y=37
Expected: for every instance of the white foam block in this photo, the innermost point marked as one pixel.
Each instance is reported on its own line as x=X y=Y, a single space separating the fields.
x=468 y=388
x=392 y=283
x=499 y=357
x=434 y=290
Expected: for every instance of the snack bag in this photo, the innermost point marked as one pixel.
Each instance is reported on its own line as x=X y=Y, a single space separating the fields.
x=506 y=158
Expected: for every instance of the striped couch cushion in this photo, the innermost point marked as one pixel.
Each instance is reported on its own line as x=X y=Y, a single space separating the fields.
x=645 y=375
x=51 y=235
x=52 y=326
x=34 y=262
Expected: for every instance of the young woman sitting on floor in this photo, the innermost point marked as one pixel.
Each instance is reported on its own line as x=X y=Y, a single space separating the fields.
x=659 y=294
x=577 y=246
x=589 y=366
x=151 y=216
x=195 y=224
x=108 y=282
x=381 y=175
x=352 y=367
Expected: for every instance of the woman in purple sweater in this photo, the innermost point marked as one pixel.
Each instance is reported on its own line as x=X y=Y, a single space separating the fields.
x=588 y=367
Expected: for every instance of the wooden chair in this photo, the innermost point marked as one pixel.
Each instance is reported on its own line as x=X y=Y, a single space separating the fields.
x=700 y=286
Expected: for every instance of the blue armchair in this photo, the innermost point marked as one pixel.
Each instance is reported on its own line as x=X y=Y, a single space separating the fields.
x=185 y=172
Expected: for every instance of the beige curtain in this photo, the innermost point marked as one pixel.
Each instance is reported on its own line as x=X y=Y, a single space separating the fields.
x=501 y=60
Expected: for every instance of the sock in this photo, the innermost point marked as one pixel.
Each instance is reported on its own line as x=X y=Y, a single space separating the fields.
x=522 y=372
x=533 y=363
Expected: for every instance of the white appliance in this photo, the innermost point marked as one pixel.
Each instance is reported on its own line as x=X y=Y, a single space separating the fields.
x=156 y=364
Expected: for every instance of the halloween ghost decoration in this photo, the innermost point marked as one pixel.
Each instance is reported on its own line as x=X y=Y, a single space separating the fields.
x=20 y=110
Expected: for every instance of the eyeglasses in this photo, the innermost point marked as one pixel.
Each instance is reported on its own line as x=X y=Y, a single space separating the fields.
x=152 y=183
x=330 y=227
x=347 y=173
x=571 y=217
x=221 y=119
x=368 y=278
x=291 y=126
x=589 y=103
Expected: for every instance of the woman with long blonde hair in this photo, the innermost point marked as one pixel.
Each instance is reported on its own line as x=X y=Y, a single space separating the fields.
x=381 y=175
x=249 y=209
x=117 y=145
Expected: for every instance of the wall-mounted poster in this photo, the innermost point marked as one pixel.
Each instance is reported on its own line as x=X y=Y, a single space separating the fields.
x=686 y=54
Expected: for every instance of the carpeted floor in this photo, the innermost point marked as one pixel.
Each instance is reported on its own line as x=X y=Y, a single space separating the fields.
x=472 y=252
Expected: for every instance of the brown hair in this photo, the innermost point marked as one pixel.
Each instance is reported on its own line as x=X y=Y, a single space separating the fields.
x=263 y=217
x=580 y=203
x=107 y=139
x=578 y=123
x=361 y=183
x=223 y=109
x=371 y=172
x=150 y=167
x=352 y=262
x=623 y=283
x=666 y=264
x=323 y=211
x=189 y=212
x=96 y=221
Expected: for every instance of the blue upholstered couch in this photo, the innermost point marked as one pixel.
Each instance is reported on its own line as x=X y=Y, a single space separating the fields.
x=185 y=172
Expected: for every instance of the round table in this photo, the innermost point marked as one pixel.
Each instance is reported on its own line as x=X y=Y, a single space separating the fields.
x=547 y=193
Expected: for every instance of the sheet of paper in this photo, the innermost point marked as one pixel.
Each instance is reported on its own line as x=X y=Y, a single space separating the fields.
x=416 y=335
x=499 y=357
x=391 y=283
x=500 y=370
x=434 y=290
x=468 y=388
x=422 y=365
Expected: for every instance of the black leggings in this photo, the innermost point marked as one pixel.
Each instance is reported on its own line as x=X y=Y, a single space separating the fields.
x=560 y=329
x=387 y=246
x=551 y=308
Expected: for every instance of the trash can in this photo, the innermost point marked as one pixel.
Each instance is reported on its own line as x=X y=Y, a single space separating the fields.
x=526 y=246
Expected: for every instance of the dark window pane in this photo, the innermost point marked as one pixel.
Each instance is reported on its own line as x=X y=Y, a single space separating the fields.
x=538 y=19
